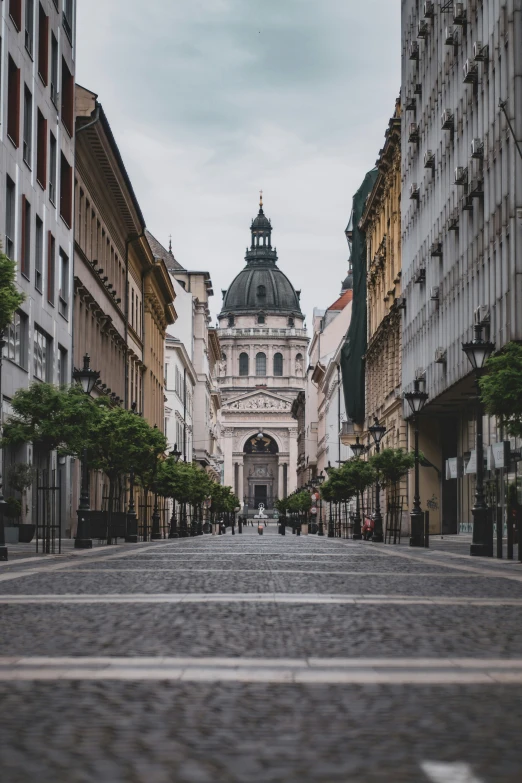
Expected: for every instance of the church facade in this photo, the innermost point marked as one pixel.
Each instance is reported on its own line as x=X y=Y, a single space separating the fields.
x=264 y=343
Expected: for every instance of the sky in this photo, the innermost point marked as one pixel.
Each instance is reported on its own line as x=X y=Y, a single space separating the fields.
x=211 y=101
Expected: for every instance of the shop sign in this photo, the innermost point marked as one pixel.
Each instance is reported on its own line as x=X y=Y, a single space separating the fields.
x=453 y=468
x=471 y=467
x=499 y=455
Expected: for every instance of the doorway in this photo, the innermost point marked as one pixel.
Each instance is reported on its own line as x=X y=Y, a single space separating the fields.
x=260 y=495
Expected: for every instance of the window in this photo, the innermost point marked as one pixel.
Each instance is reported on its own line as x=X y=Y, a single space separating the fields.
x=43 y=45
x=68 y=17
x=231 y=320
x=243 y=364
x=25 y=251
x=52 y=168
x=260 y=319
x=16 y=340
x=278 y=364
x=63 y=284
x=13 y=102
x=63 y=367
x=41 y=150
x=54 y=69
x=10 y=195
x=66 y=190
x=51 y=251
x=291 y=322
x=261 y=364
x=15 y=12
x=38 y=254
x=41 y=355
x=29 y=25
x=67 y=98
x=28 y=126
x=261 y=292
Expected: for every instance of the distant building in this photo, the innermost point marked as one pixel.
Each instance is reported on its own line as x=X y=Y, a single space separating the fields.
x=262 y=369
x=192 y=355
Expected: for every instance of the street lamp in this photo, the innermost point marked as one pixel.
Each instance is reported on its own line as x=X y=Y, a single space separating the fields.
x=478 y=352
x=416 y=400
x=87 y=378
x=377 y=431
x=173 y=532
x=3 y=549
x=132 y=520
x=358 y=450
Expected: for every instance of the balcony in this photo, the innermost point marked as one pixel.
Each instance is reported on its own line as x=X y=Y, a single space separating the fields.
x=261 y=332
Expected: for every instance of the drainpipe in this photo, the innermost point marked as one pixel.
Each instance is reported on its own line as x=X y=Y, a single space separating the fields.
x=339 y=410
x=184 y=414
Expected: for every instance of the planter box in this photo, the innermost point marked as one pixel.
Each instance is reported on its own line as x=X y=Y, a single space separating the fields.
x=11 y=533
x=26 y=533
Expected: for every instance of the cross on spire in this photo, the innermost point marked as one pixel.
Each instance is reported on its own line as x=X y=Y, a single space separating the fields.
x=170 y=243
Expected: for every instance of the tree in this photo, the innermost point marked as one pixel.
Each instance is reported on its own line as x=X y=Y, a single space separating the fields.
x=223 y=499
x=501 y=388
x=10 y=297
x=51 y=418
x=391 y=465
x=348 y=481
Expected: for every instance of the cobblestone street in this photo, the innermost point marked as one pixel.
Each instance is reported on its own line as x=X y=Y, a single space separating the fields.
x=252 y=658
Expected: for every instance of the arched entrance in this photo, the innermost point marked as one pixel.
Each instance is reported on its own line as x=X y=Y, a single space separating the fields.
x=261 y=461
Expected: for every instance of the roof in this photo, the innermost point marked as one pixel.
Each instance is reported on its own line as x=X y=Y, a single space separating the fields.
x=343 y=300
x=162 y=253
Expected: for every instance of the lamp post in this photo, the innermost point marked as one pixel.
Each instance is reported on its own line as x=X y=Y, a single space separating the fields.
x=358 y=449
x=132 y=519
x=416 y=400
x=377 y=431
x=3 y=549
x=87 y=379
x=478 y=352
x=173 y=532
x=320 y=481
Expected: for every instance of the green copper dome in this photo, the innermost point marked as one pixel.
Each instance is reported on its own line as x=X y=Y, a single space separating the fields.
x=261 y=286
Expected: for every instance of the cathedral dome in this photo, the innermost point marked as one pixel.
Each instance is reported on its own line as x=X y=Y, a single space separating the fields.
x=261 y=285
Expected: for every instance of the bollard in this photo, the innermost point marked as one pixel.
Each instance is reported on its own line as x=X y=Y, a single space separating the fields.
x=426 y=530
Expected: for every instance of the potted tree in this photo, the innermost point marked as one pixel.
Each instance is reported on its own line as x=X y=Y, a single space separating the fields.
x=12 y=510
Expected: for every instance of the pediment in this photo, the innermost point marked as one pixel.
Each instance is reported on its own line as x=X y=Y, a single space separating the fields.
x=265 y=401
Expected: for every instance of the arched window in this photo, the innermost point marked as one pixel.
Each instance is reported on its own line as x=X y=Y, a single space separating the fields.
x=243 y=364
x=231 y=320
x=261 y=364
x=261 y=291
x=278 y=364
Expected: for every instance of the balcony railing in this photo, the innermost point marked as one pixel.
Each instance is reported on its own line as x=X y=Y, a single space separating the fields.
x=261 y=332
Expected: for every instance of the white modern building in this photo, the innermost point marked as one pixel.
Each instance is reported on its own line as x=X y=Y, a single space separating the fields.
x=37 y=125
x=461 y=222
x=264 y=345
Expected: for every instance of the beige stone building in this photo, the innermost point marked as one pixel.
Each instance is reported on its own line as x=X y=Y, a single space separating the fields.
x=123 y=295
x=381 y=223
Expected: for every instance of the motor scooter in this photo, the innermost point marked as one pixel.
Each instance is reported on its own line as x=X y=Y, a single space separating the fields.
x=367 y=528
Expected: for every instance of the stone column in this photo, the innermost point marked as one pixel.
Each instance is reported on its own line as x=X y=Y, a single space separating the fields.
x=281 y=480
x=241 y=481
x=292 y=465
x=228 y=448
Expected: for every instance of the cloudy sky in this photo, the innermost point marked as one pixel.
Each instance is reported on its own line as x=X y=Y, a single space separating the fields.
x=212 y=100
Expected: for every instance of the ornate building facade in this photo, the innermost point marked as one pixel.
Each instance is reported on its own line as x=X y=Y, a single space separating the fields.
x=381 y=222
x=264 y=346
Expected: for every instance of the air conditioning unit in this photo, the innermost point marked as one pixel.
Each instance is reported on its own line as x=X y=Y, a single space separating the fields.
x=429 y=9
x=429 y=160
x=476 y=188
x=409 y=103
x=422 y=29
x=481 y=315
x=434 y=293
x=417 y=89
x=436 y=250
x=467 y=204
x=447 y=120
x=453 y=222
x=414 y=191
x=477 y=148
x=420 y=276
x=400 y=303
x=440 y=356
x=461 y=175
x=470 y=70
x=451 y=36
x=413 y=133
x=480 y=52
x=414 y=50
x=459 y=13
x=420 y=374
